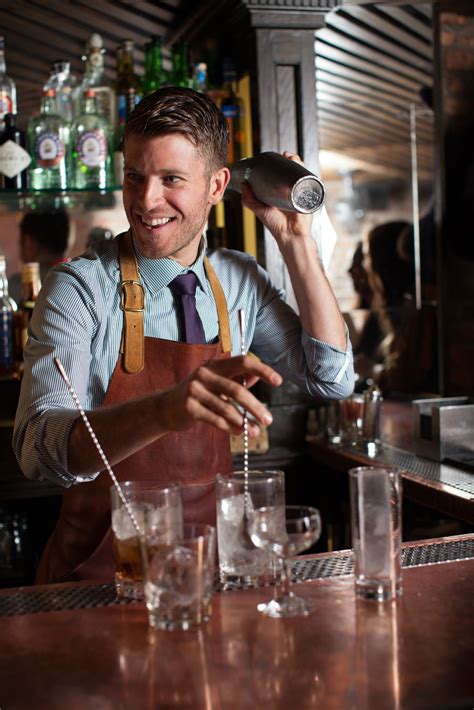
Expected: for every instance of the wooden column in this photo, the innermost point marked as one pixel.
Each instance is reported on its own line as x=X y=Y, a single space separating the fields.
x=287 y=91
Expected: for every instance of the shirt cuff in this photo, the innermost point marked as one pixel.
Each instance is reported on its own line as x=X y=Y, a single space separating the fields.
x=52 y=438
x=328 y=363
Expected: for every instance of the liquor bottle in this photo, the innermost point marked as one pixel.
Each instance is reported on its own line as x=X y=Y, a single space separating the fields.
x=14 y=158
x=200 y=77
x=128 y=84
x=155 y=76
x=30 y=288
x=7 y=310
x=66 y=88
x=7 y=88
x=127 y=96
x=181 y=75
x=48 y=136
x=233 y=109
x=91 y=141
x=95 y=78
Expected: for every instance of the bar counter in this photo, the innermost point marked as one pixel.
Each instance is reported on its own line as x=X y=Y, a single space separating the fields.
x=88 y=651
x=439 y=486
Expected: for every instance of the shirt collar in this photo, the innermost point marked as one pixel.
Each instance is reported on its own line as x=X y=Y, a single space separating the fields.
x=158 y=273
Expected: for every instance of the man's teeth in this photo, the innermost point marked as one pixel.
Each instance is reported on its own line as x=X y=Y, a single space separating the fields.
x=156 y=222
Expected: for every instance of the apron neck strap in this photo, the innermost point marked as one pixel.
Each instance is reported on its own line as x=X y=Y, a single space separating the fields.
x=221 y=305
x=132 y=303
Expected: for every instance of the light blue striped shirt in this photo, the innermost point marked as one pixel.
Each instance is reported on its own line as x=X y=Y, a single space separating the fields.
x=77 y=318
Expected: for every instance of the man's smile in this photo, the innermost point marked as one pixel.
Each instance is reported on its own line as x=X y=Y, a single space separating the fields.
x=152 y=224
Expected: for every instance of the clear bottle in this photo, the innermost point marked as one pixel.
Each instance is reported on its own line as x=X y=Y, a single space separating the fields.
x=233 y=109
x=181 y=75
x=8 y=308
x=66 y=87
x=48 y=136
x=95 y=78
x=155 y=76
x=7 y=88
x=14 y=158
x=91 y=141
x=30 y=288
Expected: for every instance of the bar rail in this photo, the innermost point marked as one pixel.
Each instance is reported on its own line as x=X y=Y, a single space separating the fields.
x=33 y=600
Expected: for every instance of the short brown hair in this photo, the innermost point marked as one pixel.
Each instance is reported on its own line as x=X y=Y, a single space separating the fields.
x=178 y=110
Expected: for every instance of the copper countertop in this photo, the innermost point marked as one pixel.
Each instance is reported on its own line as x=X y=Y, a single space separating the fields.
x=416 y=653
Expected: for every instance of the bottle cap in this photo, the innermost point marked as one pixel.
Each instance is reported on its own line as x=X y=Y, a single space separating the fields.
x=89 y=93
x=96 y=41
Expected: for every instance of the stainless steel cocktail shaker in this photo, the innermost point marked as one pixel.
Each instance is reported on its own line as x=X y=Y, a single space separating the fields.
x=280 y=182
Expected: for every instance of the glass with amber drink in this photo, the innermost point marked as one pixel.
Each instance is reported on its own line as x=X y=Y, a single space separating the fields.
x=158 y=510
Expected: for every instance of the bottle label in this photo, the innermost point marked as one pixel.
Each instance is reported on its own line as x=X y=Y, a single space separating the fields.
x=6 y=103
x=92 y=148
x=49 y=149
x=13 y=159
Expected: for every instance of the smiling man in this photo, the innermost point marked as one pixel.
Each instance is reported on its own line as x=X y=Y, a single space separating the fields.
x=147 y=328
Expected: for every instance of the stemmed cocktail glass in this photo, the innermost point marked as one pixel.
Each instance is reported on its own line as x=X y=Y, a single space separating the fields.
x=299 y=530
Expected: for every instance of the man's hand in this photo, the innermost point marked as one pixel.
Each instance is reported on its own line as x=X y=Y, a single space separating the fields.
x=205 y=396
x=283 y=225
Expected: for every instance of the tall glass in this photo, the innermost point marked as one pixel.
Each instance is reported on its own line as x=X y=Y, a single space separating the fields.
x=241 y=563
x=159 y=511
x=376 y=506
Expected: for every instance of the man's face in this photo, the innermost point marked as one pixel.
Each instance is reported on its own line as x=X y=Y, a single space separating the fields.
x=167 y=194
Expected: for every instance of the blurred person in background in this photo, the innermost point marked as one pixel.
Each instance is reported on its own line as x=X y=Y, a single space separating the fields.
x=408 y=348
x=44 y=238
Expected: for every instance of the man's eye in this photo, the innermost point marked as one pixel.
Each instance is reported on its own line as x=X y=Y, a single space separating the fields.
x=132 y=176
x=172 y=179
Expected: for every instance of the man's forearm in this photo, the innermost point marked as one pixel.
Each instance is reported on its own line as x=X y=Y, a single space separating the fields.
x=121 y=430
x=205 y=396
x=319 y=312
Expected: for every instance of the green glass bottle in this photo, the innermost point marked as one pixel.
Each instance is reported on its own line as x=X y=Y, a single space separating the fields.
x=181 y=75
x=48 y=137
x=91 y=140
x=155 y=75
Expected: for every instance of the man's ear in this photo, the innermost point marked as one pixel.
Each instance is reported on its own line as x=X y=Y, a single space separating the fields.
x=219 y=181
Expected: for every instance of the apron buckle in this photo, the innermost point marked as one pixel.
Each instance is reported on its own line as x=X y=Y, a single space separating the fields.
x=132 y=295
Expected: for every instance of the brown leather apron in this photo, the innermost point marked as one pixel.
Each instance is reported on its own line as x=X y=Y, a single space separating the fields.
x=81 y=545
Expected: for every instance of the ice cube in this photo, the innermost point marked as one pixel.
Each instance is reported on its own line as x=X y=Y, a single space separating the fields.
x=122 y=524
x=233 y=509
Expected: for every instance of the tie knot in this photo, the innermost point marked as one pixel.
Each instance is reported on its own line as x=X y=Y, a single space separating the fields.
x=184 y=285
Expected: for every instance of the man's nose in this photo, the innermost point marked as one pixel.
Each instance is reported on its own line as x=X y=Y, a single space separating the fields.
x=152 y=193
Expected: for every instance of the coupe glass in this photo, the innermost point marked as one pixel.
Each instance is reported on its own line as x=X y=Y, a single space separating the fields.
x=299 y=530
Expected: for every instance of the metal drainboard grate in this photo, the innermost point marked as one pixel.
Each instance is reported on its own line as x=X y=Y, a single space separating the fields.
x=342 y=564
x=431 y=470
x=339 y=564
x=85 y=597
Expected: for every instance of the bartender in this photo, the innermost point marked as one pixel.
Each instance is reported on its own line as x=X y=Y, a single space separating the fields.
x=147 y=329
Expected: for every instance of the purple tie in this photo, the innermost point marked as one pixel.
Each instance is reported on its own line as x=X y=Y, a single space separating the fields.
x=184 y=286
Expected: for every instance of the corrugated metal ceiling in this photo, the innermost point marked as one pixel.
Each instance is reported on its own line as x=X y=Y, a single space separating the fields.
x=371 y=62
